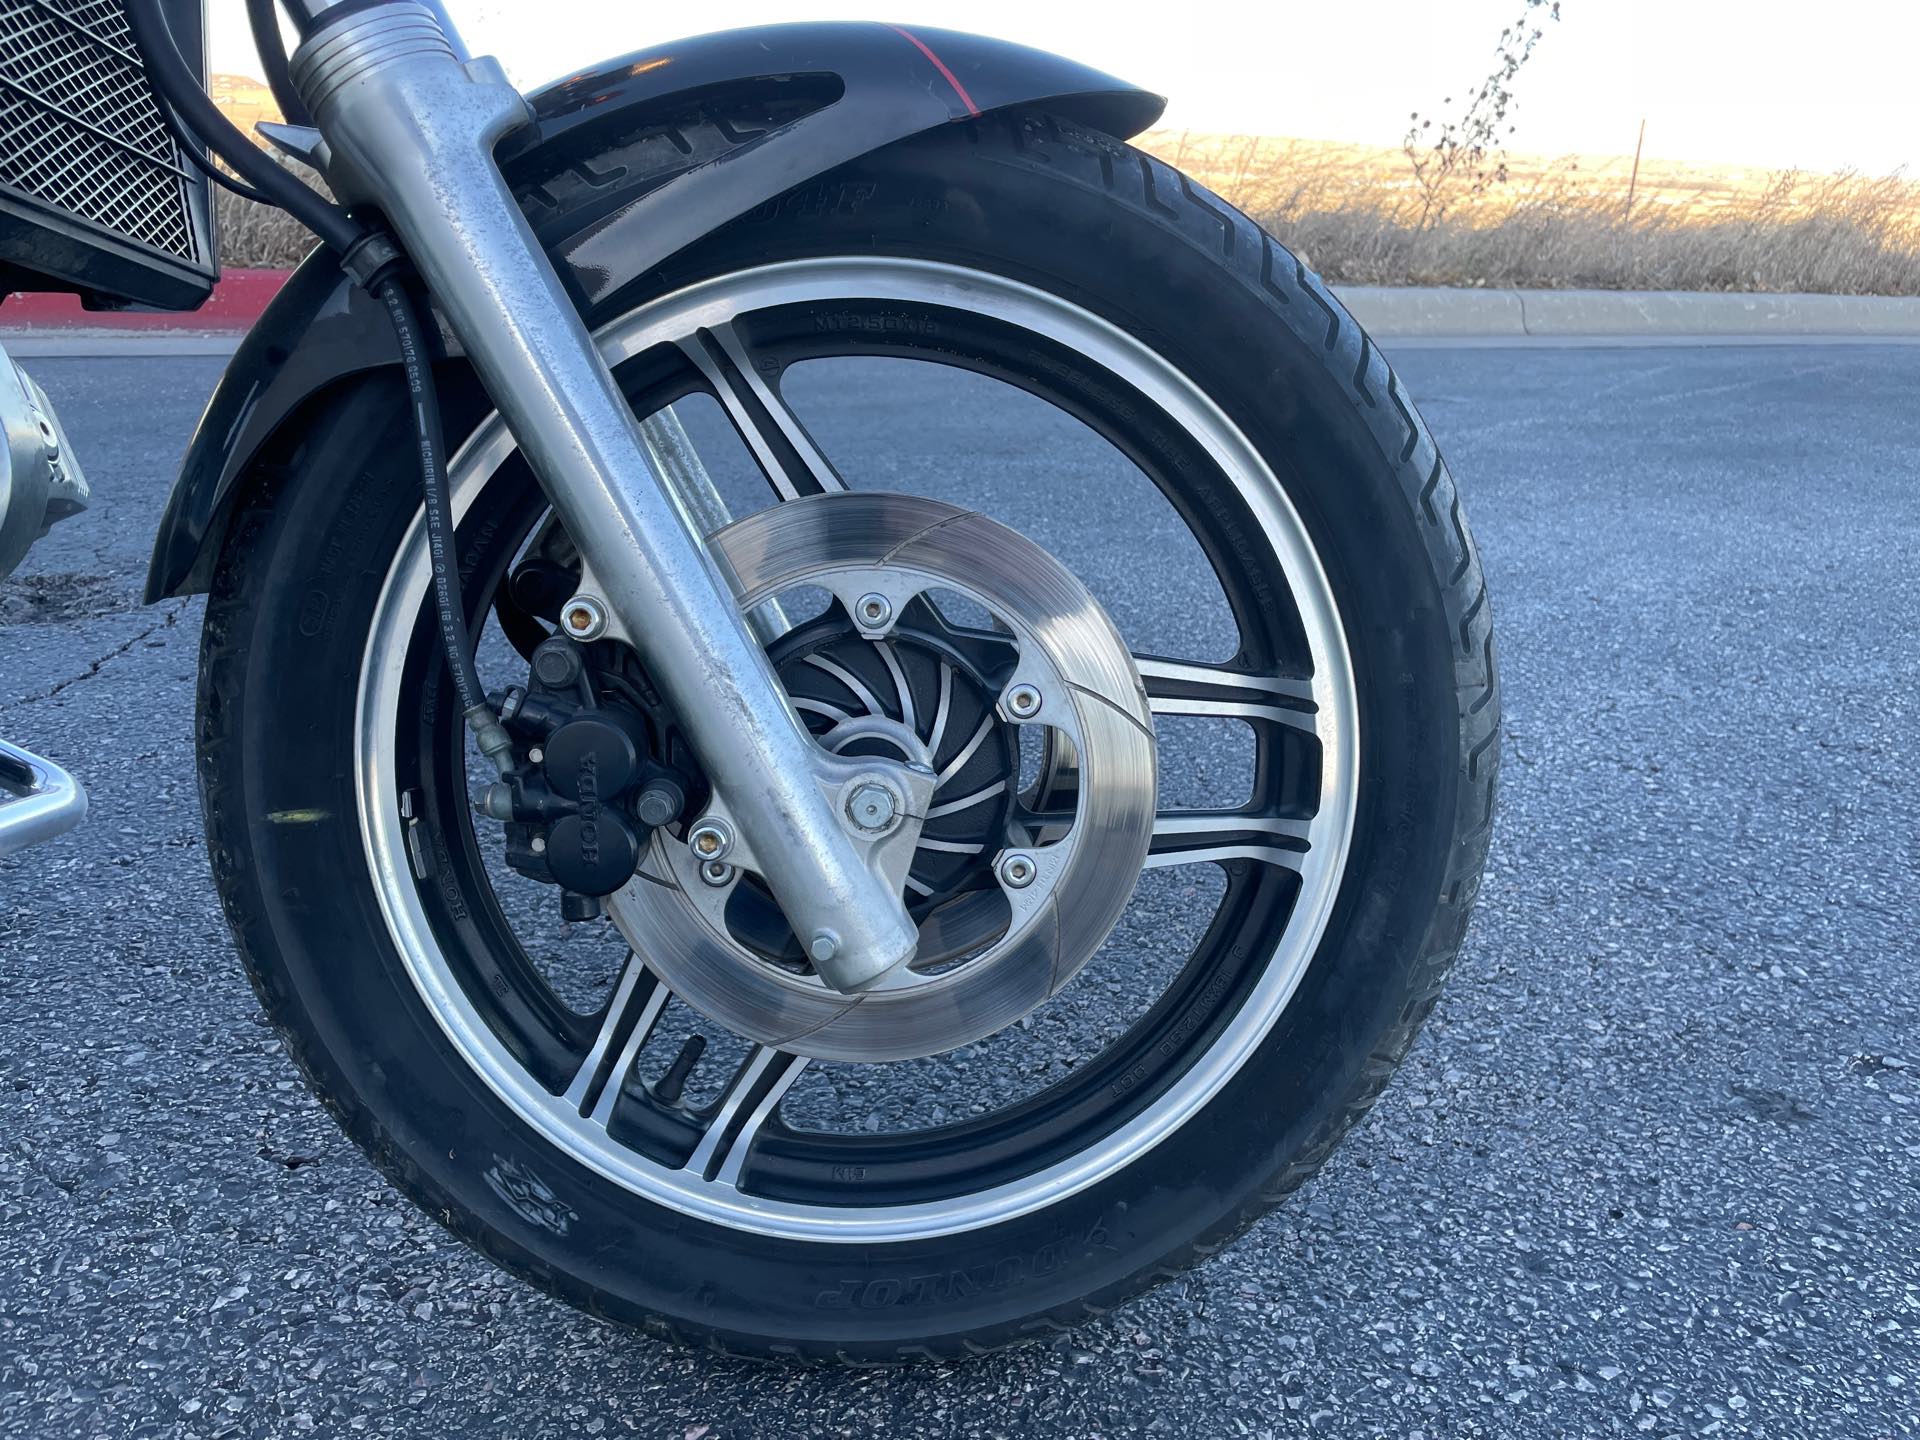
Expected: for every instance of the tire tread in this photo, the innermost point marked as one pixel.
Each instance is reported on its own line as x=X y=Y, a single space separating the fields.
x=1299 y=301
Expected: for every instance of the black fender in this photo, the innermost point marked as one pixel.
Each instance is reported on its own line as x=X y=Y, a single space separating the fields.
x=879 y=84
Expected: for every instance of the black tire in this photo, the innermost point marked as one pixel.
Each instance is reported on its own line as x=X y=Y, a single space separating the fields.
x=1069 y=211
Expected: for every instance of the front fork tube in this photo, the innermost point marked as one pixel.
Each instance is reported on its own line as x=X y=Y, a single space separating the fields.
x=412 y=129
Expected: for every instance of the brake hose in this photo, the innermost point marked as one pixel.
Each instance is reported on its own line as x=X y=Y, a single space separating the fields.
x=492 y=739
x=362 y=250
x=179 y=87
x=192 y=145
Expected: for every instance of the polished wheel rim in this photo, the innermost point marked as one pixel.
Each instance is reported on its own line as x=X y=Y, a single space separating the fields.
x=733 y=1163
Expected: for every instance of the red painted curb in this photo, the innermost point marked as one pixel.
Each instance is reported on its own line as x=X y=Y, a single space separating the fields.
x=235 y=304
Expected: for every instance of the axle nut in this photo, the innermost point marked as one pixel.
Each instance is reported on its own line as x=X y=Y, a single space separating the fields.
x=872 y=807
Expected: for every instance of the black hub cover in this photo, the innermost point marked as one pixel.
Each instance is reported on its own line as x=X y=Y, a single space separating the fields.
x=828 y=661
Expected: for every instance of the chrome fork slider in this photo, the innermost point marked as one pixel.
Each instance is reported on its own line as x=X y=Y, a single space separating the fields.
x=411 y=127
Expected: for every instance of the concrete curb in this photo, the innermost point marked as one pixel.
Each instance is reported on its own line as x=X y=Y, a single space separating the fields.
x=56 y=325
x=1392 y=312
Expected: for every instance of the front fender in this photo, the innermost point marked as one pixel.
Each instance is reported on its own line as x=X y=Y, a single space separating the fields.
x=892 y=83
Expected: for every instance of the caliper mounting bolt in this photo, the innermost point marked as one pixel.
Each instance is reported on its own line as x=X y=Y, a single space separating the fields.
x=710 y=840
x=583 y=618
x=660 y=803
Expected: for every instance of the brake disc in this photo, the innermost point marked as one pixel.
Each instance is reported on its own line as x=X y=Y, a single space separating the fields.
x=1006 y=918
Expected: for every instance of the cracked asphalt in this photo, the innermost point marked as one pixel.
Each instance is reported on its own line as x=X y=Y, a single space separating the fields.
x=1653 y=1168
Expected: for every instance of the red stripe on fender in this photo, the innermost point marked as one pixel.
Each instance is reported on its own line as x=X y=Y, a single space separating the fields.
x=941 y=66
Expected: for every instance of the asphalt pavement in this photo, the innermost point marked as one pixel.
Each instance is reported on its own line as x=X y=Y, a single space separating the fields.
x=1653 y=1168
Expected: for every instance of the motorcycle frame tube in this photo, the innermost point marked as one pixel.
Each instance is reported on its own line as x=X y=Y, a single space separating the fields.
x=413 y=130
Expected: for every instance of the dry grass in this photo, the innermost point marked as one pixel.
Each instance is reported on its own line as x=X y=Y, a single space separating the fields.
x=253 y=234
x=1355 y=216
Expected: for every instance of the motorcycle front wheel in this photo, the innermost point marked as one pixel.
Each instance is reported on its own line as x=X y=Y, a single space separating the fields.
x=663 y=1119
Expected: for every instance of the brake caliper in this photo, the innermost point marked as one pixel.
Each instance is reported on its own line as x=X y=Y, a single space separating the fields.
x=590 y=787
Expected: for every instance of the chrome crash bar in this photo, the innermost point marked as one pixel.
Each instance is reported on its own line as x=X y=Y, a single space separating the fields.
x=40 y=483
x=38 y=800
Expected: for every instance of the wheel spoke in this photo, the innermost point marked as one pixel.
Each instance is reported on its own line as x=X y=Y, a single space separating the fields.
x=821 y=707
x=852 y=681
x=674 y=455
x=677 y=459
x=1192 y=837
x=753 y=1095
x=967 y=802
x=904 y=690
x=959 y=762
x=941 y=710
x=631 y=1015
x=785 y=452
x=952 y=847
x=1175 y=687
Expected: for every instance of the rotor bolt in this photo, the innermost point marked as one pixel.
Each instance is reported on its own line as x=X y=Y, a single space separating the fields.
x=710 y=840
x=824 y=946
x=583 y=618
x=1017 y=870
x=1023 y=702
x=872 y=806
x=873 y=611
x=716 y=873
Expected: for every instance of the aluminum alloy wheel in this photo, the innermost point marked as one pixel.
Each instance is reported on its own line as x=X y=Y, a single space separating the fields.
x=708 y=322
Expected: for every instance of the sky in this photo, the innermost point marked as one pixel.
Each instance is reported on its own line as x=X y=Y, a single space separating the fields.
x=1759 y=83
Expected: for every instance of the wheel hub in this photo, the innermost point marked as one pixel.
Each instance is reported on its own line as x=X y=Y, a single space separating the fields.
x=889 y=696
x=1014 y=888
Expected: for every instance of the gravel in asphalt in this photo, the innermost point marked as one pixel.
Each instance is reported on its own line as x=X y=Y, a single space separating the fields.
x=1653 y=1168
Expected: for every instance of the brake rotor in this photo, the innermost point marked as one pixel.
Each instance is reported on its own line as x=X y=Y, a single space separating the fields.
x=1014 y=887
x=929 y=692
